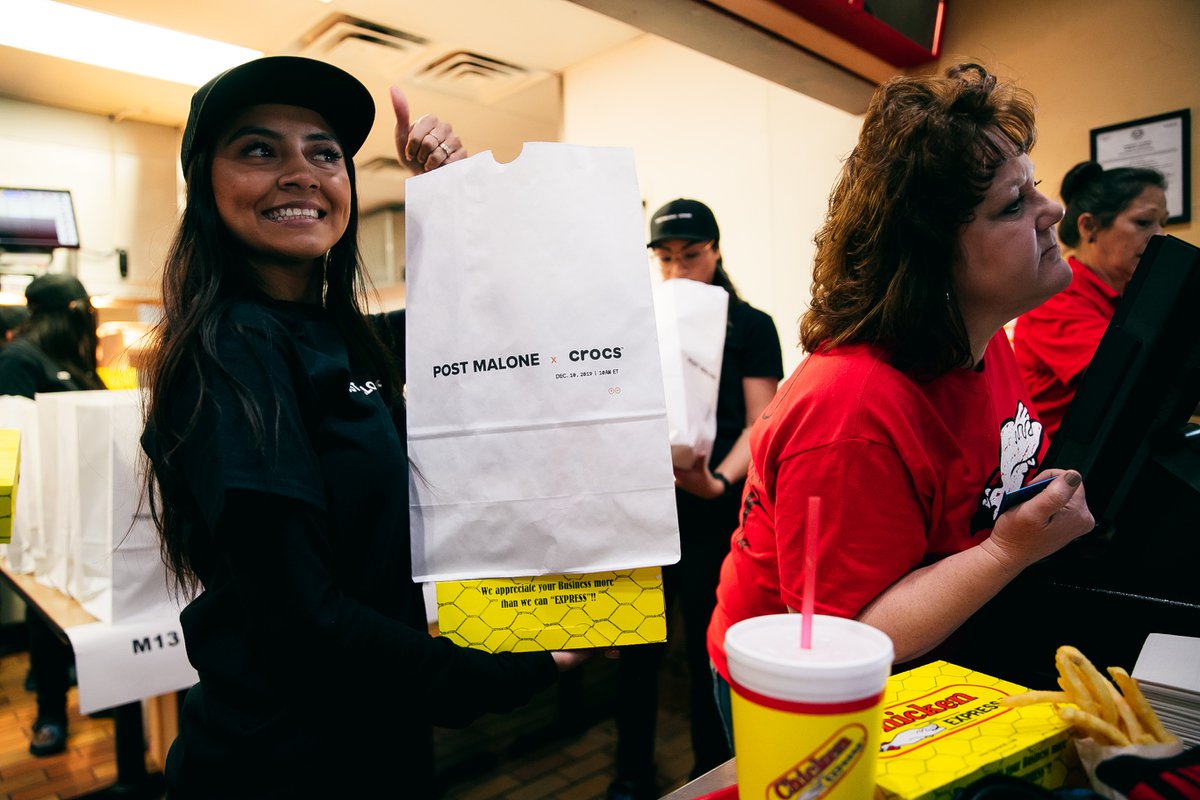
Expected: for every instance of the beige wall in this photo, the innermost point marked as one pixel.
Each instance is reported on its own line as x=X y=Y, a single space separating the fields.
x=761 y=156
x=1089 y=64
x=122 y=177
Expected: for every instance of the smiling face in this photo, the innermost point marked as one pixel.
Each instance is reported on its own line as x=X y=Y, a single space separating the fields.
x=1113 y=252
x=281 y=187
x=1010 y=261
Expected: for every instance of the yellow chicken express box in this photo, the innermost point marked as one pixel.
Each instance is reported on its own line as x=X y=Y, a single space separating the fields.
x=554 y=612
x=944 y=728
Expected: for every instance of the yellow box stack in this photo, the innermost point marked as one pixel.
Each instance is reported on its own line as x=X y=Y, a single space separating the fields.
x=10 y=469
x=944 y=728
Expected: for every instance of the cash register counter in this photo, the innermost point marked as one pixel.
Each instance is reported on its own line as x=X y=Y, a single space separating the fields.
x=143 y=731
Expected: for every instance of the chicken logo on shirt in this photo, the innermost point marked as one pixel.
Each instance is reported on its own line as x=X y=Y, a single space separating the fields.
x=1020 y=441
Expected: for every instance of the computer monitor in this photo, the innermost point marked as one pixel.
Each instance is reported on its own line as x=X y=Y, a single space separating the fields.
x=36 y=220
x=1127 y=430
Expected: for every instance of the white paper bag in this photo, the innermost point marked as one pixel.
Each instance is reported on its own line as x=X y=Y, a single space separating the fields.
x=79 y=451
x=20 y=413
x=536 y=420
x=691 y=318
x=115 y=570
x=50 y=549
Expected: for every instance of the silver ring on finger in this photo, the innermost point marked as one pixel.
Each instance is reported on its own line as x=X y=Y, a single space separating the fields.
x=434 y=136
x=445 y=149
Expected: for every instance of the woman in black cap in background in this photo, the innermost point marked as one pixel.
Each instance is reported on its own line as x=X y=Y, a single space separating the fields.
x=275 y=433
x=54 y=350
x=11 y=318
x=686 y=240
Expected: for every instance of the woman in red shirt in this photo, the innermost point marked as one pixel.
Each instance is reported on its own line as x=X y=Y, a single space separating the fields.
x=909 y=418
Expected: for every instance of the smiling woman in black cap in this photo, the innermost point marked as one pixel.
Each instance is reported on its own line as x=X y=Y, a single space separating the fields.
x=275 y=433
x=54 y=350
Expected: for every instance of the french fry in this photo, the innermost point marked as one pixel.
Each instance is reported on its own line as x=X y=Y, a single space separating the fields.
x=1096 y=685
x=1033 y=698
x=1075 y=686
x=1111 y=712
x=1141 y=707
x=1129 y=723
x=1093 y=726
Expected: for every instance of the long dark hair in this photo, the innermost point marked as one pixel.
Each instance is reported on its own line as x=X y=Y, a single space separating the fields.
x=206 y=271
x=928 y=151
x=68 y=338
x=721 y=278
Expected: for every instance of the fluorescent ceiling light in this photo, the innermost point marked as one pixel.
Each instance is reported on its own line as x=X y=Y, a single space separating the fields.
x=77 y=34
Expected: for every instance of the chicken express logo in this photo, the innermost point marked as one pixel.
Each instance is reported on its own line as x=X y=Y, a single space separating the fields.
x=817 y=773
x=937 y=714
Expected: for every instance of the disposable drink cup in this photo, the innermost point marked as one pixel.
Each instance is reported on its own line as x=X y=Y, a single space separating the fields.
x=806 y=723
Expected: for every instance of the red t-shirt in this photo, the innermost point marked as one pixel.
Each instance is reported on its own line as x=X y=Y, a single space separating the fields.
x=1055 y=342
x=907 y=471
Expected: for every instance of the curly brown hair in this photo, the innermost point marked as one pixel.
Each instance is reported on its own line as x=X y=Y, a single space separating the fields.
x=883 y=274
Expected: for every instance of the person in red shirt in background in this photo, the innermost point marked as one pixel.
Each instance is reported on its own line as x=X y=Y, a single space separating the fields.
x=1111 y=215
x=909 y=418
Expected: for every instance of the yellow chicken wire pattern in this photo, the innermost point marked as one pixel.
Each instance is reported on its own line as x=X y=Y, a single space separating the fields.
x=554 y=612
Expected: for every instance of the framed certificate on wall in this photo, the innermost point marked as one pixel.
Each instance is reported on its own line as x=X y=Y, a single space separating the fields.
x=1161 y=142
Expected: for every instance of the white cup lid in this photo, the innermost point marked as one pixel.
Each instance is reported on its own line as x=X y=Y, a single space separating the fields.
x=848 y=660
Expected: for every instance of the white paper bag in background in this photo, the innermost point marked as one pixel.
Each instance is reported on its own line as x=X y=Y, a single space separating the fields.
x=51 y=548
x=536 y=420
x=20 y=413
x=691 y=318
x=79 y=450
x=116 y=568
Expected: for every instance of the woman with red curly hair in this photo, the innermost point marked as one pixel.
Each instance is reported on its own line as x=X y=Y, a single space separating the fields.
x=909 y=418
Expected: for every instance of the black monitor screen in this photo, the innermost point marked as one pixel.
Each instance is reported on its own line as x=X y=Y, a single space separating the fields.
x=36 y=220
x=1127 y=429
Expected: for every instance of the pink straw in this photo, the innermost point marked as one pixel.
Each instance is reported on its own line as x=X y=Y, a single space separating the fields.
x=807 y=604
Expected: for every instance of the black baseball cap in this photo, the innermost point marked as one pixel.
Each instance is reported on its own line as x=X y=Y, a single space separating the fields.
x=11 y=318
x=54 y=291
x=685 y=219
x=333 y=93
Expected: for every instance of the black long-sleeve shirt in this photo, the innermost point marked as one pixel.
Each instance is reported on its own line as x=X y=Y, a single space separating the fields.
x=317 y=675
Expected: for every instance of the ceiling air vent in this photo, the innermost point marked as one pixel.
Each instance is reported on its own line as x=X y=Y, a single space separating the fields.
x=475 y=76
x=361 y=46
